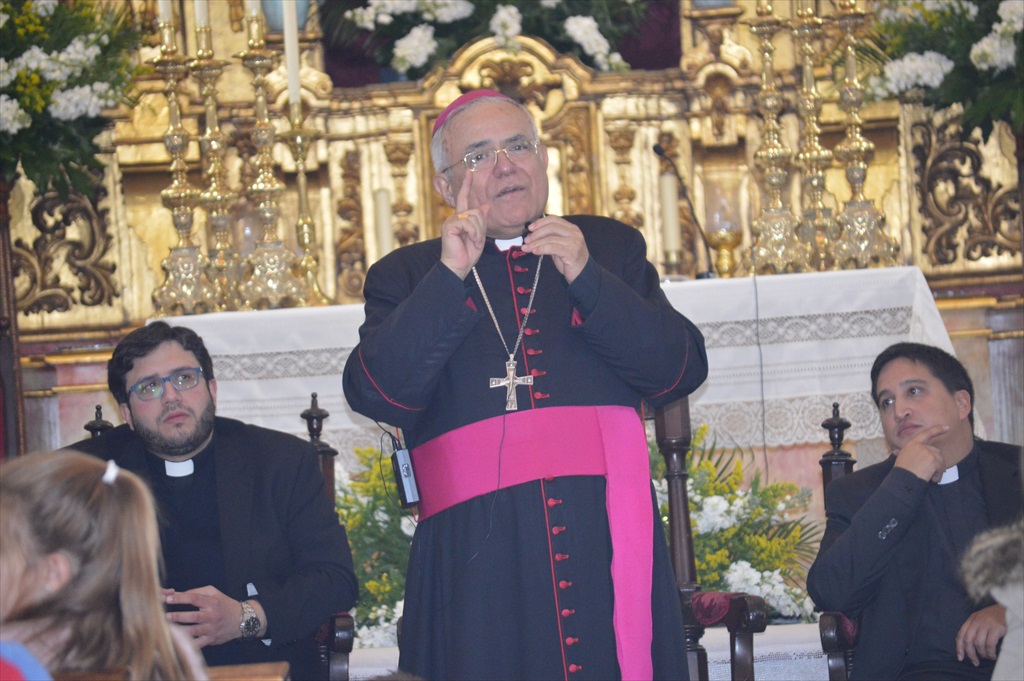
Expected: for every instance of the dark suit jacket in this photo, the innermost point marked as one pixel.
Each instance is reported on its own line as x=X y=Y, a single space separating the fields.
x=870 y=561
x=279 y=532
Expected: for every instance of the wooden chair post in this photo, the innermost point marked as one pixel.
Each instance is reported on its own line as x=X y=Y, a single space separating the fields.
x=337 y=637
x=315 y=417
x=838 y=634
x=673 y=433
x=835 y=463
x=98 y=425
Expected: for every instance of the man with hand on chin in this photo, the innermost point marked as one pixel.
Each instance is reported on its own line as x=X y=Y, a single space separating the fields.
x=255 y=558
x=514 y=352
x=896 y=530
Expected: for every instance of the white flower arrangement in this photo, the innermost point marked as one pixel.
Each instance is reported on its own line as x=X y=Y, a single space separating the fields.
x=749 y=535
x=410 y=36
x=380 y=629
x=787 y=600
x=955 y=52
x=61 y=65
x=997 y=50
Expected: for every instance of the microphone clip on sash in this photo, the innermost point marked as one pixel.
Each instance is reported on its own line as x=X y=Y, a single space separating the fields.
x=405 y=478
x=660 y=151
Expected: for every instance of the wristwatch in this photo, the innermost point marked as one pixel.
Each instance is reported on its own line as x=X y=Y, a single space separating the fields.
x=250 y=624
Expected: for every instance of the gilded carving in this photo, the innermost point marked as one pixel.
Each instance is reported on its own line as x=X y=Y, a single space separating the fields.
x=350 y=253
x=517 y=79
x=964 y=217
x=73 y=240
x=621 y=141
x=399 y=154
x=570 y=133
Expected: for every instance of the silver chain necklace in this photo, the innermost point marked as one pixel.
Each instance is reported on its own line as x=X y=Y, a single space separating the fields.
x=510 y=381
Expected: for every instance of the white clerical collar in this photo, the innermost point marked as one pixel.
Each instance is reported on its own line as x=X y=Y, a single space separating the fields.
x=950 y=475
x=505 y=244
x=179 y=469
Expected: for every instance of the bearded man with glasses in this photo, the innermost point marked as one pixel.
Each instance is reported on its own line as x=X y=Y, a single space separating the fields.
x=255 y=559
x=514 y=353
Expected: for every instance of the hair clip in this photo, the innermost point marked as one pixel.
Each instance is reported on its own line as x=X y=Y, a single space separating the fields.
x=111 y=473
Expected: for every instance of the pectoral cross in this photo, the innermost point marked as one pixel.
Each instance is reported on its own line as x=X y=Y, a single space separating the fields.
x=510 y=383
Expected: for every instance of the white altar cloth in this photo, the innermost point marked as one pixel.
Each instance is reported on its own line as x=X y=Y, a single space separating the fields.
x=793 y=342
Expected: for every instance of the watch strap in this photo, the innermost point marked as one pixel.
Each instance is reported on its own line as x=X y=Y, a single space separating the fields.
x=250 y=624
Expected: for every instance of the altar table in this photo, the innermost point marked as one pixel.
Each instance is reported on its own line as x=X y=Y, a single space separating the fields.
x=781 y=350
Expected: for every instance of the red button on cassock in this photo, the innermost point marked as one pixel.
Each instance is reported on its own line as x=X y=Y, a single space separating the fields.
x=569 y=641
x=558 y=529
x=554 y=502
x=561 y=556
x=564 y=584
x=568 y=613
x=573 y=668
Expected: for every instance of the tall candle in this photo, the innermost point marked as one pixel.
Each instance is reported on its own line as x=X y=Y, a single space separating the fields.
x=201 y=8
x=252 y=8
x=382 y=216
x=669 y=186
x=291 y=50
x=164 y=11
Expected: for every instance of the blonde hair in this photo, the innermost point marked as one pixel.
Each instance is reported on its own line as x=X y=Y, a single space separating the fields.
x=110 y=607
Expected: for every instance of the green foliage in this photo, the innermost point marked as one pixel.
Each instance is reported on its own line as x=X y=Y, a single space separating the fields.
x=369 y=509
x=53 y=152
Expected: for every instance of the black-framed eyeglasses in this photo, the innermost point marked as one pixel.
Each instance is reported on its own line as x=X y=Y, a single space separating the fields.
x=485 y=159
x=151 y=388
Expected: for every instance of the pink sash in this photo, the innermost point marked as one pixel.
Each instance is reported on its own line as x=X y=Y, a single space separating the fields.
x=558 y=441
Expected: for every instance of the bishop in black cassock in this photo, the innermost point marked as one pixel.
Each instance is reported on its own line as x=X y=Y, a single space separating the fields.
x=516 y=367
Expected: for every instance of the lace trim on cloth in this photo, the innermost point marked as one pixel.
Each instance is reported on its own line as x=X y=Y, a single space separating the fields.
x=811 y=327
x=790 y=421
x=285 y=364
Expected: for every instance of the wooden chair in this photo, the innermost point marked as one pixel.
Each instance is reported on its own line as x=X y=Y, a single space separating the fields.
x=334 y=638
x=337 y=637
x=838 y=632
x=742 y=614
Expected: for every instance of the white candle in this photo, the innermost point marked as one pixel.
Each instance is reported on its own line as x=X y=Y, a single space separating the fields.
x=252 y=8
x=291 y=49
x=164 y=11
x=201 y=8
x=382 y=216
x=670 y=211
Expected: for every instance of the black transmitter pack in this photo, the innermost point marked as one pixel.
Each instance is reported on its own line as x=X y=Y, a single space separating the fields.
x=405 y=478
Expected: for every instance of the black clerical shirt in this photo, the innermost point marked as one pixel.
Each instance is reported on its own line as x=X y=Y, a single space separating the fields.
x=954 y=514
x=189 y=524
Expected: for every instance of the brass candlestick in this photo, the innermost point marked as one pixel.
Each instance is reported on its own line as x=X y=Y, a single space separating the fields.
x=225 y=270
x=299 y=140
x=863 y=241
x=776 y=245
x=186 y=289
x=271 y=283
x=818 y=225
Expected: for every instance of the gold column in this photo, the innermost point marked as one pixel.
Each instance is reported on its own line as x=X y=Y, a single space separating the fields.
x=299 y=140
x=225 y=269
x=776 y=245
x=399 y=155
x=186 y=289
x=818 y=224
x=863 y=241
x=272 y=283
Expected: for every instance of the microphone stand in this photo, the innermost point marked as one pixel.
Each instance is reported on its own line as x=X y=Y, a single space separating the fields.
x=660 y=151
